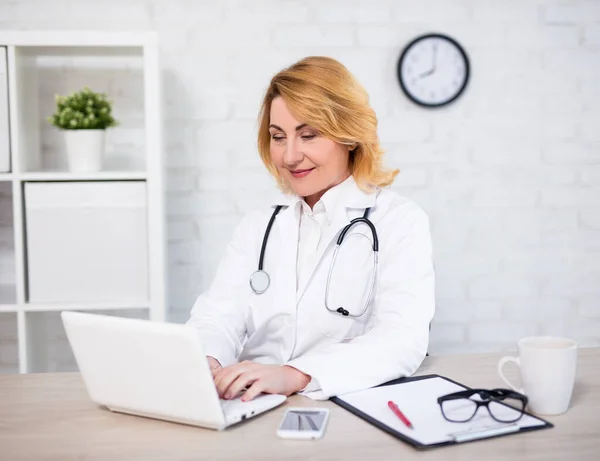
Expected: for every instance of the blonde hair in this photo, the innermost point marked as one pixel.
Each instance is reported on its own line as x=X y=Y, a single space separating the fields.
x=323 y=93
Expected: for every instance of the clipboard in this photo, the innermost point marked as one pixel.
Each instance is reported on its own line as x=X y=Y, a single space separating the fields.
x=417 y=398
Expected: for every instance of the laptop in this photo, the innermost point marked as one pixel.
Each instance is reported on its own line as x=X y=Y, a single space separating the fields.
x=153 y=369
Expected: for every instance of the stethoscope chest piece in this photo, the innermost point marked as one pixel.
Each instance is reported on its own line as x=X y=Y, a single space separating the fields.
x=259 y=281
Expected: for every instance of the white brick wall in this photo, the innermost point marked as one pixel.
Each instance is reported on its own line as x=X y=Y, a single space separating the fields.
x=510 y=174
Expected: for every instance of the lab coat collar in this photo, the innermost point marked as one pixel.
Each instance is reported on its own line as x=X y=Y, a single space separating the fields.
x=348 y=195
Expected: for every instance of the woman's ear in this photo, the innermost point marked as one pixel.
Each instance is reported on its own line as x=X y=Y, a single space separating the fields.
x=352 y=146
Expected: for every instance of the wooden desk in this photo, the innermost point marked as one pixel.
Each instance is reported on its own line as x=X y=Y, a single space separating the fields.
x=49 y=416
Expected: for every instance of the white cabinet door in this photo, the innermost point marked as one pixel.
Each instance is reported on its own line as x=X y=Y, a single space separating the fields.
x=87 y=241
x=4 y=126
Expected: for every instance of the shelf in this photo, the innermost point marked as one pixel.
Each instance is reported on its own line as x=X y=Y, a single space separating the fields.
x=42 y=72
x=54 y=307
x=78 y=38
x=95 y=176
x=8 y=294
x=48 y=347
x=9 y=345
x=47 y=210
x=8 y=289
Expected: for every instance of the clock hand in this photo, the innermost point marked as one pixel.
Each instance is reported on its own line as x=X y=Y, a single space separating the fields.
x=433 y=62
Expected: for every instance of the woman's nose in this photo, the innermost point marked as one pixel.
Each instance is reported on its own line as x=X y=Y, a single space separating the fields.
x=292 y=154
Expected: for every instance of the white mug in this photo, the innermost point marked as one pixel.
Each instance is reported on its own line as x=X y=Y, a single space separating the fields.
x=547 y=365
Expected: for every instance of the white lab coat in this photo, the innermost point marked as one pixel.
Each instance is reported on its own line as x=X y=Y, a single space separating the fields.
x=291 y=325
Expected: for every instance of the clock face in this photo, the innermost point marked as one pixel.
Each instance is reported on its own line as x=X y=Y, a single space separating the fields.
x=433 y=70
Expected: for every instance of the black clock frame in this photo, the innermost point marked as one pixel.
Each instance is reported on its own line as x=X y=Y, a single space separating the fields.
x=403 y=57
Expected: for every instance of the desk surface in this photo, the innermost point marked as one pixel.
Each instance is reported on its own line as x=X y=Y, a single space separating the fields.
x=49 y=416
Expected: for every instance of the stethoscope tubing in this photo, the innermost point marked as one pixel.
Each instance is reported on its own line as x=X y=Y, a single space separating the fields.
x=262 y=274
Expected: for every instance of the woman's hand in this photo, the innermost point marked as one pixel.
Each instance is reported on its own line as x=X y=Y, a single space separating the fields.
x=257 y=378
x=214 y=365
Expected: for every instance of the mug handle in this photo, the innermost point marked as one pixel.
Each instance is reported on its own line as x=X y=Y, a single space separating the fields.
x=503 y=361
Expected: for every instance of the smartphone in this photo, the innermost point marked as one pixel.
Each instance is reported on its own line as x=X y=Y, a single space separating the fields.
x=303 y=423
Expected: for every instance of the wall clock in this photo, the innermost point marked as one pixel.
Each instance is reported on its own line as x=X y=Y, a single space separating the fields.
x=433 y=70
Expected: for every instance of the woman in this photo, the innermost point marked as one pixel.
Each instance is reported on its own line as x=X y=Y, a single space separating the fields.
x=313 y=327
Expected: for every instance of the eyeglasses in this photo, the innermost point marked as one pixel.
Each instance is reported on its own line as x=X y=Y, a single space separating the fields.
x=504 y=405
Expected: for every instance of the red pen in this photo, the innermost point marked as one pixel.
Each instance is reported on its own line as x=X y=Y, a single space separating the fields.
x=399 y=414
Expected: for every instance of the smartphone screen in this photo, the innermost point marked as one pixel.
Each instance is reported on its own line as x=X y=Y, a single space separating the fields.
x=303 y=420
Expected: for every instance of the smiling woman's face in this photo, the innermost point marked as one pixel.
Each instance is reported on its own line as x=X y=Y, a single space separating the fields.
x=310 y=163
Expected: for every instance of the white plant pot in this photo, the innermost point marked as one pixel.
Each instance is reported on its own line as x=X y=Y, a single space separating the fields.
x=85 y=149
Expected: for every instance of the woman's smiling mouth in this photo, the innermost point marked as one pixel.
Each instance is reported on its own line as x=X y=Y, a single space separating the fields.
x=301 y=173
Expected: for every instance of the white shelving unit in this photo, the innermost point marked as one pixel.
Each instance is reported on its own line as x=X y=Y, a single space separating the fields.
x=41 y=64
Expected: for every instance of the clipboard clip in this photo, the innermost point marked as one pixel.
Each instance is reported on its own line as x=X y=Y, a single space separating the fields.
x=480 y=433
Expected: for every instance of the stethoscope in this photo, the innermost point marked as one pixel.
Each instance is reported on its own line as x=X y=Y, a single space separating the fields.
x=260 y=280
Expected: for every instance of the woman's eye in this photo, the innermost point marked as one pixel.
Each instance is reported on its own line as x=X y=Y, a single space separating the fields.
x=308 y=137
x=277 y=138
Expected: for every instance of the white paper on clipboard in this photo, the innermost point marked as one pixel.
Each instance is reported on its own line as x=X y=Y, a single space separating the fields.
x=418 y=401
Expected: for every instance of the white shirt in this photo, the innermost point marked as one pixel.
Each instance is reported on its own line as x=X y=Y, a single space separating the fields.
x=312 y=225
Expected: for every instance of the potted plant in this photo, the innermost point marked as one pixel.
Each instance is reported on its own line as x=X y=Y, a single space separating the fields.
x=84 y=117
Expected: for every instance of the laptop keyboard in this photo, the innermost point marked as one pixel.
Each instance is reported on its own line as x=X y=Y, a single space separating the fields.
x=236 y=405
x=235 y=408
x=227 y=405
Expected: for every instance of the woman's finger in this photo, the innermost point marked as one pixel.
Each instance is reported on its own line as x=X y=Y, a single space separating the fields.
x=243 y=381
x=226 y=376
x=255 y=389
x=229 y=374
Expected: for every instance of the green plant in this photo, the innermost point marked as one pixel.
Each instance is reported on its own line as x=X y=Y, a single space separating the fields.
x=83 y=110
